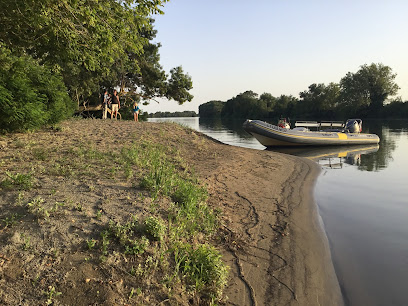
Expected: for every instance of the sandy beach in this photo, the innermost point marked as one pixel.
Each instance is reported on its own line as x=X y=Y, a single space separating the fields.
x=269 y=231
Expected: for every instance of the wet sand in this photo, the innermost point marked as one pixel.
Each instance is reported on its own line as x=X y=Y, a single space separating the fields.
x=278 y=251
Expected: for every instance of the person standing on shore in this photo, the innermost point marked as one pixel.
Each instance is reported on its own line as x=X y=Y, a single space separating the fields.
x=105 y=104
x=115 y=104
x=136 y=111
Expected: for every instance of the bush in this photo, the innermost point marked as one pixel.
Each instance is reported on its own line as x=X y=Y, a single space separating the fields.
x=31 y=95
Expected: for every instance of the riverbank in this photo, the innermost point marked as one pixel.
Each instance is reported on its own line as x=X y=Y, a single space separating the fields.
x=268 y=231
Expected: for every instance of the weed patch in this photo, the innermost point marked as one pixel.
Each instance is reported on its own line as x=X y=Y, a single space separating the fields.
x=17 y=181
x=204 y=268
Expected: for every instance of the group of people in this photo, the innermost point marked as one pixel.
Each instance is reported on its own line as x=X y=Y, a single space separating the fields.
x=113 y=102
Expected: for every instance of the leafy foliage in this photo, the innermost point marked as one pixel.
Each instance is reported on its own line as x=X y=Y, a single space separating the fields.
x=30 y=94
x=179 y=85
x=79 y=47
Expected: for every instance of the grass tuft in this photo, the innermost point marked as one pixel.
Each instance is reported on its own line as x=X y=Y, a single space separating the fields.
x=204 y=268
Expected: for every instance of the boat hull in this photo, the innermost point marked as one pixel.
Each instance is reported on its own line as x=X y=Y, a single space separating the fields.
x=271 y=135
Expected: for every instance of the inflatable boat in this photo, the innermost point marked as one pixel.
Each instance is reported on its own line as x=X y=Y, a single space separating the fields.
x=337 y=134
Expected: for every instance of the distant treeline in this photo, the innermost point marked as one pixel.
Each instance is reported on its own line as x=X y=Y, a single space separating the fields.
x=175 y=114
x=364 y=94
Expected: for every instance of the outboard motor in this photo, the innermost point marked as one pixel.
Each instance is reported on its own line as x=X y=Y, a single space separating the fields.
x=354 y=125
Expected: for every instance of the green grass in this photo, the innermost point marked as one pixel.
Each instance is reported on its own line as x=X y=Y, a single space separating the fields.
x=157 y=237
x=204 y=268
x=169 y=240
x=17 y=181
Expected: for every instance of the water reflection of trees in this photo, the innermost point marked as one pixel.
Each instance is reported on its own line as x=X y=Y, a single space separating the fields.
x=381 y=159
x=222 y=124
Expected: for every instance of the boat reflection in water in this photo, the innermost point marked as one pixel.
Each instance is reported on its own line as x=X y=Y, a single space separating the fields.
x=330 y=157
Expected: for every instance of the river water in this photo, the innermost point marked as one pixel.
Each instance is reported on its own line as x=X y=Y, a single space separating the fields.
x=362 y=195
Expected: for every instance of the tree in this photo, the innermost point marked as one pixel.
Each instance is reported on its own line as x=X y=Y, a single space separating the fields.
x=211 y=109
x=77 y=38
x=366 y=90
x=285 y=106
x=179 y=85
x=268 y=101
x=244 y=105
x=93 y=44
x=142 y=77
x=319 y=101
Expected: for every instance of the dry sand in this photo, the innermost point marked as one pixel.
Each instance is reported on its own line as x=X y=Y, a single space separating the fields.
x=270 y=232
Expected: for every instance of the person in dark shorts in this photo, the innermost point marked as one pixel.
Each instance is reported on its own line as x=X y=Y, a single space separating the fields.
x=115 y=105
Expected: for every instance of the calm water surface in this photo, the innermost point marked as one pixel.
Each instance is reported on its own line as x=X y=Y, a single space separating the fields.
x=362 y=197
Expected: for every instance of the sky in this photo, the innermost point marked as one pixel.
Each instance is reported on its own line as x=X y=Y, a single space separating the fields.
x=277 y=46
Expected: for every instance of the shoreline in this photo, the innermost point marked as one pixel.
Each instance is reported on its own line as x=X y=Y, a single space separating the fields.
x=269 y=235
x=284 y=257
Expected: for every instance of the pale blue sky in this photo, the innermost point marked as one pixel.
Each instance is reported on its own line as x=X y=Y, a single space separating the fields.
x=278 y=46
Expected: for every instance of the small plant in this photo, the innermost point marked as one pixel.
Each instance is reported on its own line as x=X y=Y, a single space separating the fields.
x=136 y=246
x=58 y=205
x=139 y=271
x=78 y=207
x=99 y=214
x=51 y=294
x=155 y=227
x=105 y=242
x=61 y=169
x=91 y=243
x=11 y=220
x=18 y=180
x=20 y=198
x=40 y=153
x=55 y=253
x=160 y=179
x=134 y=291
x=26 y=244
x=188 y=194
x=35 y=207
x=128 y=171
x=127 y=236
x=35 y=279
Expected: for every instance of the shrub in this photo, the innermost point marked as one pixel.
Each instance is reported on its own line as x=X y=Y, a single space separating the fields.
x=31 y=95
